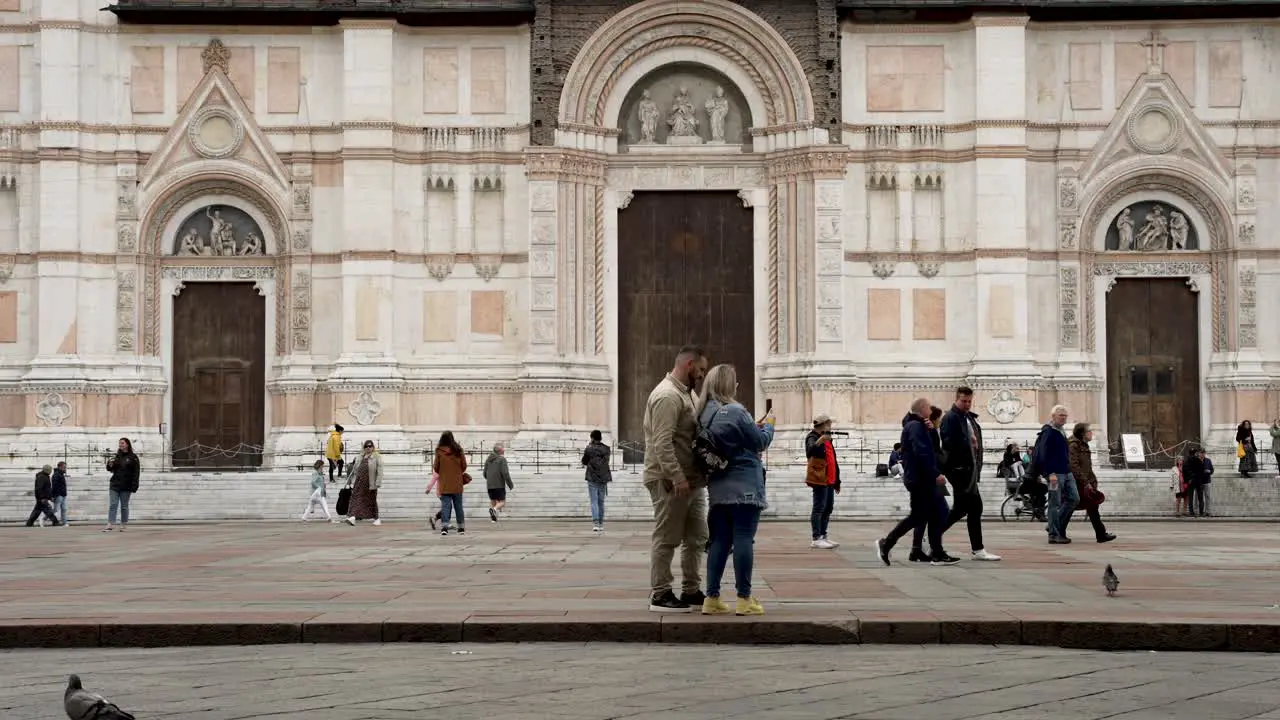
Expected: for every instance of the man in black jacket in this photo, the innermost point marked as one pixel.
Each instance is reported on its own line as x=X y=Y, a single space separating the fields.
x=924 y=482
x=44 y=493
x=962 y=464
x=60 y=492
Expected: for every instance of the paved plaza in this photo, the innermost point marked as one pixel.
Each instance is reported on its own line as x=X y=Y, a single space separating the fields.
x=1200 y=585
x=647 y=682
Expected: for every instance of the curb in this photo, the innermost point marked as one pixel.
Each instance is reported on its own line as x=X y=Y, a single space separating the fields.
x=686 y=629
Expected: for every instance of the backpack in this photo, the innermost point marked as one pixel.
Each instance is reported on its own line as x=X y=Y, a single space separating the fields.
x=706 y=456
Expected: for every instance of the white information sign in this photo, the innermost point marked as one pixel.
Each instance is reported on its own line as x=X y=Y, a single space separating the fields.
x=1133 y=449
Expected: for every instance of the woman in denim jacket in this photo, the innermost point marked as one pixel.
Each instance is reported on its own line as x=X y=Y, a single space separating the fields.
x=735 y=492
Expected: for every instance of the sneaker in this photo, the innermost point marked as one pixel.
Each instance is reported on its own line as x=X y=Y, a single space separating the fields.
x=1059 y=541
x=444 y=532
x=882 y=551
x=830 y=542
x=432 y=520
x=667 y=602
x=715 y=606
x=377 y=522
x=595 y=528
x=748 y=606
x=983 y=555
x=918 y=556
x=943 y=559
x=107 y=529
x=693 y=599
x=821 y=544
x=351 y=521
x=462 y=531
x=1107 y=538
x=123 y=528
x=493 y=515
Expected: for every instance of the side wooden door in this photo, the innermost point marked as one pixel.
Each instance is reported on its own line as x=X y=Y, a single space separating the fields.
x=686 y=276
x=1153 y=369
x=219 y=375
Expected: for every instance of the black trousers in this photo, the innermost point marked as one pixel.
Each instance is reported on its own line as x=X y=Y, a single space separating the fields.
x=335 y=464
x=1095 y=519
x=967 y=506
x=924 y=511
x=1195 y=494
x=42 y=506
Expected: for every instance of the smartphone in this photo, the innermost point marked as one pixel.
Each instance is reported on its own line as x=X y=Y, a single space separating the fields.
x=768 y=405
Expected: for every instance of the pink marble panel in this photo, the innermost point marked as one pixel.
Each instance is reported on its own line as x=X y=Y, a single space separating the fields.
x=70 y=341
x=440 y=316
x=1086 y=76
x=929 y=314
x=488 y=312
x=244 y=73
x=440 y=81
x=146 y=80
x=1180 y=64
x=190 y=71
x=884 y=314
x=10 y=5
x=10 y=74
x=488 y=80
x=906 y=78
x=1131 y=63
x=284 y=79
x=8 y=317
x=1226 y=73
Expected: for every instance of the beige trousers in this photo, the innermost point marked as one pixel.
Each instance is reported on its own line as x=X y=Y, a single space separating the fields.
x=677 y=521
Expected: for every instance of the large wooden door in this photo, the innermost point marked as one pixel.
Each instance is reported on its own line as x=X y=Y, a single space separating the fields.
x=1153 y=361
x=685 y=276
x=219 y=347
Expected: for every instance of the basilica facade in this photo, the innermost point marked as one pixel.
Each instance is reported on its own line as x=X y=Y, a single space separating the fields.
x=231 y=228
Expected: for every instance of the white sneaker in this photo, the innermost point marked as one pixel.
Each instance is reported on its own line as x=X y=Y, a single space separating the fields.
x=821 y=544
x=351 y=521
x=377 y=522
x=985 y=556
x=831 y=542
x=595 y=528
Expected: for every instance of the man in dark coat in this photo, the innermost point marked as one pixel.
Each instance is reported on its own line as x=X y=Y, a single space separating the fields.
x=924 y=482
x=44 y=494
x=962 y=464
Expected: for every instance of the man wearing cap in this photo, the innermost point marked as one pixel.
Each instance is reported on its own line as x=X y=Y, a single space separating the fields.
x=817 y=446
x=44 y=494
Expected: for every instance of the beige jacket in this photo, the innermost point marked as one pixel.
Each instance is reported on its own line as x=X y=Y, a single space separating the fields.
x=375 y=469
x=669 y=428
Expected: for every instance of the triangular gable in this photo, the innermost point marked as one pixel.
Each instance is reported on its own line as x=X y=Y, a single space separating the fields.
x=1135 y=133
x=214 y=96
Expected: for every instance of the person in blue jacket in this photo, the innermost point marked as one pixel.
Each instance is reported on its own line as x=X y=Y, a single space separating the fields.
x=1051 y=458
x=925 y=483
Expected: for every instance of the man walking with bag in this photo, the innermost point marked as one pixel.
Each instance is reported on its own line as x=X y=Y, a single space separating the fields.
x=962 y=465
x=924 y=482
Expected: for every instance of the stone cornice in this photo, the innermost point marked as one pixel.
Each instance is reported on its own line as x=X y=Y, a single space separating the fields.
x=826 y=162
x=552 y=163
x=83 y=387
x=437 y=387
x=1233 y=385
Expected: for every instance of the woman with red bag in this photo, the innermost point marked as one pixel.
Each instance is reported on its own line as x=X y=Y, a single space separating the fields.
x=451 y=467
x=1080 y=458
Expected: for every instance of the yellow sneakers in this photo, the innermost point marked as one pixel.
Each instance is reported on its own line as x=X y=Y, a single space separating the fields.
x=749 y=606
x=715 y=606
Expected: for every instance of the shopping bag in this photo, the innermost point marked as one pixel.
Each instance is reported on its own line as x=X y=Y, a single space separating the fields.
x=344 y=500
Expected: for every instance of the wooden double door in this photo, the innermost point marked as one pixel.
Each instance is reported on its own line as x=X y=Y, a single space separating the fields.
x=1153 y=362
x=686 y=276
x=219 y=375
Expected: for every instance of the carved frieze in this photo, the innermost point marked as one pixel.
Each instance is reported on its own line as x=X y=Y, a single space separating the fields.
x=684 y=176
x=1067 y=229
x=302 y=237
x=1247 y=235
x=1005 y=406
x=1069 y=294
x=218 y=272
x=1248 y=330
x=53 y=410
x=1245 y=198
x=300 y=310
x=126 y=237
x=1068 y=194
x=127 y=198
x=126 y=309
x=302 y=200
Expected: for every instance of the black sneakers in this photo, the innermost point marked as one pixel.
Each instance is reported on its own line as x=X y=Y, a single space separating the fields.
x=942 y=558
x=919 y=556
x=667 y=602
x=693 y=599
x=882 y=551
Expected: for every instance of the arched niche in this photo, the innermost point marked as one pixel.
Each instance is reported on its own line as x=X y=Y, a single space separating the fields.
x=217 y=229
x=701 y=83
x=1156 y=223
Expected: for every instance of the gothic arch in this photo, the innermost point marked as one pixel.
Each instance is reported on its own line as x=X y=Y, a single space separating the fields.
x=1191 y=188
x=160 y=213
x=719 y=33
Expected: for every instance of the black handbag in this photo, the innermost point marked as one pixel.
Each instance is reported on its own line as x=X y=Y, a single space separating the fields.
x=344 y=500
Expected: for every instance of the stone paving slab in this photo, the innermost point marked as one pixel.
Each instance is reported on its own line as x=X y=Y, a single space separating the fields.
x=599 y=681
x=1184 y=586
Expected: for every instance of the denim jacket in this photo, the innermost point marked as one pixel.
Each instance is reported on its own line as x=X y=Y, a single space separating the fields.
x=739 y=441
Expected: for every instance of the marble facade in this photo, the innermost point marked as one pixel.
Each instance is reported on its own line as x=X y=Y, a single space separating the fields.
x=425 y=266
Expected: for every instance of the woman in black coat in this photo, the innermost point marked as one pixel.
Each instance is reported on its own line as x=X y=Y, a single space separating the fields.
x=124 y=469
x=1249 y=459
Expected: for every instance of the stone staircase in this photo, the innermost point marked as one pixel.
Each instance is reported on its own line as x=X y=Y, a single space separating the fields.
x=559 y=492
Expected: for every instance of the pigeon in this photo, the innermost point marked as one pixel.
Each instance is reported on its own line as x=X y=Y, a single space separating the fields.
x=81 y=704
x=1110 y=581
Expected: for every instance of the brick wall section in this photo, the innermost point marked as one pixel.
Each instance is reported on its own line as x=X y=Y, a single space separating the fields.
x=562 y=26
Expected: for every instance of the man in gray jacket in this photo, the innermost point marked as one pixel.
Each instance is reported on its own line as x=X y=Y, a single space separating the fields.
x=497 y=480
x=678 y=490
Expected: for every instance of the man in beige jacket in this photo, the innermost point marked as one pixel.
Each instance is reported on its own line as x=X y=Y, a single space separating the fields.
x=677 y=489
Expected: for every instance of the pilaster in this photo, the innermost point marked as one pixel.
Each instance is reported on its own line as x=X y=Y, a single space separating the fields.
x=1000 y=183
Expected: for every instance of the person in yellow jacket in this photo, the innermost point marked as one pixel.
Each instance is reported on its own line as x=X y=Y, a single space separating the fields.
x=333 y=451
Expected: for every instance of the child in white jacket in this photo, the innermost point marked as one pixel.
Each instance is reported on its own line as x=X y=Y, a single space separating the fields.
x=317 y=493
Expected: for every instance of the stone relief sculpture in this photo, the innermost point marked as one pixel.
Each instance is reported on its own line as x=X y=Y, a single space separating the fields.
x=648 y=113
x=1005 y=406
x=222 y=231
x=1150 y=226
x=683 y=123
x=717 y=109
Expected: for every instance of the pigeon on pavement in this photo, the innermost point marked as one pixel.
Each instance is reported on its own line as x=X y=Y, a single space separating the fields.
x=1110 y=581
x=81 y=704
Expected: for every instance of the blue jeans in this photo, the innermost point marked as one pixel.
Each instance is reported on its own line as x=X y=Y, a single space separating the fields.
x=60 y=507
x=1062 y=502
x=824 y=501
x=118 y=500
x=450 y=504
x=731 y=528
x=598 y=492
